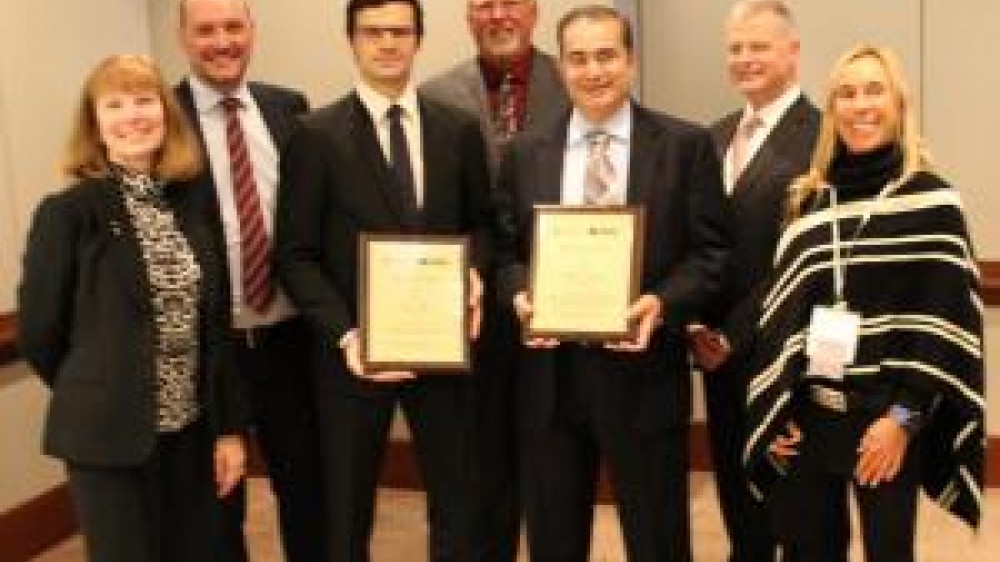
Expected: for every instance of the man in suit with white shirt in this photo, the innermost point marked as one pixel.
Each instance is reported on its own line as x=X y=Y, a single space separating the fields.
x=627 y=402
x=243 y=127
x=384 y=159
x=763 y=146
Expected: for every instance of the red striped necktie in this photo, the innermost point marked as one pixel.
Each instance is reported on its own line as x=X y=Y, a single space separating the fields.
x=255 y=246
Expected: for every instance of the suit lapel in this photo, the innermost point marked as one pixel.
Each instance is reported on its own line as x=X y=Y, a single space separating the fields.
x=204 y=184
x=433 y=139
x=124 y=243
x=366 y=141
x=550 y=159
x=787 y=127
x=539 y=99
x=642 y=159
x=275 y=119
x=722 y=134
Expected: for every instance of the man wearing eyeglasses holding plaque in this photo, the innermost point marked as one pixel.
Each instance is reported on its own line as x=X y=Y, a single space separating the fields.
x=383 y=160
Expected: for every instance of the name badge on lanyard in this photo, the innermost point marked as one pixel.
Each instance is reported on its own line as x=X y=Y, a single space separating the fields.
x=832 y=341
x=832 y=337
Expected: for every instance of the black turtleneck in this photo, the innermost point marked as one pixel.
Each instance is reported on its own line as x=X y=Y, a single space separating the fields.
x=860 y=175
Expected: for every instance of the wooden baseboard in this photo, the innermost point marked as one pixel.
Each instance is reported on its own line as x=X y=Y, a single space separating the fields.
x=8 y=338
x=400 y=470
x=43 y=522
x=37 y=525
x=990 y=275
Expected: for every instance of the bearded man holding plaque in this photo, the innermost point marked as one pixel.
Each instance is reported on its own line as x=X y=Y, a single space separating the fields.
x=379 y=165
x=590 y=389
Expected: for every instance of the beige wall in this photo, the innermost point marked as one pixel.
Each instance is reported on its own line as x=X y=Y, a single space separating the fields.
x=46 y=48
x=24 y=472
x=961 y=114
x=306 y=47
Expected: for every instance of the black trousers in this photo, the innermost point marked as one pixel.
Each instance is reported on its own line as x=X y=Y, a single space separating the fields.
x=498 y=521
x=746 y=520
x=811 y=501
x=279 y=379
x=355 y=428
x=163 y=510
x=648 y=469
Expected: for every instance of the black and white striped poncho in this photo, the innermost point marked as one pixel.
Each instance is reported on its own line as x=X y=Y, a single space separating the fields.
x=911 y=274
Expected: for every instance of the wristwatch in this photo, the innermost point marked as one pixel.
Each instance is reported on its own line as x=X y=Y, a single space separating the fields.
x=908 y=419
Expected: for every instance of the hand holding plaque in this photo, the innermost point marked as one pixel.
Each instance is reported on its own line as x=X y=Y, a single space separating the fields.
x=416 y=303
x=585 y=266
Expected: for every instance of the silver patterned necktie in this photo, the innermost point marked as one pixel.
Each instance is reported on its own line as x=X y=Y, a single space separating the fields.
x=600 y=175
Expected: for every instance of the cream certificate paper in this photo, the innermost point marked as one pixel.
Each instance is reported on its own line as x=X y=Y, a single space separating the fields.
x=414 y=302
x=584 y=271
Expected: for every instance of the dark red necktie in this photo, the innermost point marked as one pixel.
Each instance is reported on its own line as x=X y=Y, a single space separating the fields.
x=255 y=247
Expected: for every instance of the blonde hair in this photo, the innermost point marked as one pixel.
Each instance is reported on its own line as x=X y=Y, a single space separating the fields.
x=916 y=157
x=86 y=157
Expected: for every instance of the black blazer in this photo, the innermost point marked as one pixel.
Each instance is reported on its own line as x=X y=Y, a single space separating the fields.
x=279 y=106
x=335 y=184
x=758 y=201
x=674 y=175
x=87 y=325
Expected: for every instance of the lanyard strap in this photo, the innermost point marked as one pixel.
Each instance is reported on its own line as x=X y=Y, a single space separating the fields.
x=839 y=267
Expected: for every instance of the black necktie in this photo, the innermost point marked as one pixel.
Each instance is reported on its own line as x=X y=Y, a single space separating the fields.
x=402 y=169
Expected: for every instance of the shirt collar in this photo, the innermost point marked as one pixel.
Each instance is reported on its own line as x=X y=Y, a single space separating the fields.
x=207 y=98
x=772 y=112
x=378 y=104
x=618 y=126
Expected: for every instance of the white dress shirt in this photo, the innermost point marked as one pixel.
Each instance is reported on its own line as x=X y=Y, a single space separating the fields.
x=264 y=156
x=378 y=108
x=574 y=176
x=769 y=115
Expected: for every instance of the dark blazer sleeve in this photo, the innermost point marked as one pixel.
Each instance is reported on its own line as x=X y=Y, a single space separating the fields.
x=477 y=195
x=689 y=288
x=45 y=295
x=304 y=204
x=511 y=269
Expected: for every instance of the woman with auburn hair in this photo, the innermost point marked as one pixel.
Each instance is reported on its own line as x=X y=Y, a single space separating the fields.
x=870 y=355
x=123 y=307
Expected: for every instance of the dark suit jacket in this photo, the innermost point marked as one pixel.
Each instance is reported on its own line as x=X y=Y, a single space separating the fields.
x=87 y=325
x=280 y=108
x=335 y=185
x=674 y=175
x=758 y=202
x=463 y=88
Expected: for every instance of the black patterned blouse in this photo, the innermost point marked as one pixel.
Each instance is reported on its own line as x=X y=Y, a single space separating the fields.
x=174 y=280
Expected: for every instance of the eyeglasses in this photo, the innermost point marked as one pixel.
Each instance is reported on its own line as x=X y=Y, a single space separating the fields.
x=372 y=32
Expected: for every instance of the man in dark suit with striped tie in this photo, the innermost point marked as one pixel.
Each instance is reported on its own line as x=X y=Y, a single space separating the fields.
x=244 y=127
x=763 y=147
